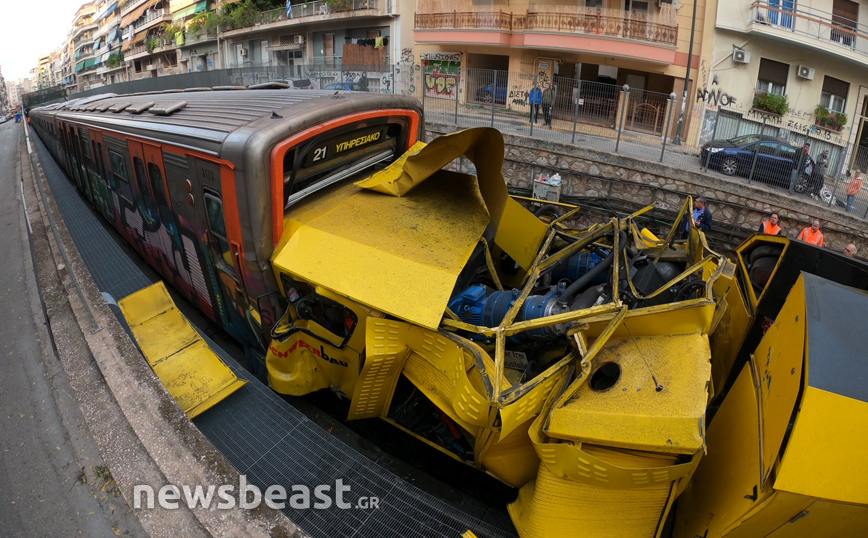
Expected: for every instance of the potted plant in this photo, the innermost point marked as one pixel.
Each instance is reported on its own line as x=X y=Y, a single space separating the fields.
x=821 y=116
x=769 y=102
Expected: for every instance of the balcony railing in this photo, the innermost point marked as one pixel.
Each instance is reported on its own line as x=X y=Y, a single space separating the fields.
x=600 y=22
x=299 y=11
x=811 y=23
x=151 y=16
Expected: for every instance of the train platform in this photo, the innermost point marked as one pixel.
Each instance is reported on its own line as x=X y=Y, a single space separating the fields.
x=254 y=433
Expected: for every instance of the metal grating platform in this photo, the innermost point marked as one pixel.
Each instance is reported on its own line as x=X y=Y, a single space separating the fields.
x=264 y=437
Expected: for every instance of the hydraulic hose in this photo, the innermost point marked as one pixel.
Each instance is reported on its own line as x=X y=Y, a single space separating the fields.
x=586 y=279
x=547 y=207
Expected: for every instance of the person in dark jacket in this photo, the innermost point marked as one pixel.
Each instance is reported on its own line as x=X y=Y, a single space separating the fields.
x=534 y=99
x=548 y=99
x=701 y=218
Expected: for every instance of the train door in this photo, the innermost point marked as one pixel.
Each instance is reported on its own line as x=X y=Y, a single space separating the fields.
x=75 y=158
x=97 y=174
x=233 y=304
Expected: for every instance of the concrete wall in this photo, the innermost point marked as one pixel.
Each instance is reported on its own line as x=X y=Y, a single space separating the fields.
x=631 y=183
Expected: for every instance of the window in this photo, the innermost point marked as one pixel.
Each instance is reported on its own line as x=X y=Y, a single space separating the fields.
x=159 y=190
x=834 y=96
x=149 y=212
x=119 y=170
x=217 y=225
x=772 y=77
x=767 y=148
x=787 y=152
x=597 y=4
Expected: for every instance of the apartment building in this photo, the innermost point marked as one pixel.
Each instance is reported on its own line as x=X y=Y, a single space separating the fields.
x=799 y=68
x=587 y=50
x=83 y=27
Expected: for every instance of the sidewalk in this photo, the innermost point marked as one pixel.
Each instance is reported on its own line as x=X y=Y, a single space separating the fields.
x=55 y=483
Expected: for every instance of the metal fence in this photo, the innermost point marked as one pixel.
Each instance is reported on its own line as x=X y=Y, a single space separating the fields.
x=644 y=124
x=607 y=117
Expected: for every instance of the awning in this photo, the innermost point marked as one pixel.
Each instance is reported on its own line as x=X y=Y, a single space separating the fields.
x=104 y=58
x=135 y=14
x=108 y=12
x=190 y=10
x=113 y=34
x=79 y=66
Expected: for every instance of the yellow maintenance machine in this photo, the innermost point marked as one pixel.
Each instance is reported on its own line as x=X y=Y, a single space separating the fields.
x=571 y=363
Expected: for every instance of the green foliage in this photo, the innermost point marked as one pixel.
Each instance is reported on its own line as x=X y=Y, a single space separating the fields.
x=115 y=60
x=152 y=44
x=339 y=5
x=831 y=120
x=769 y=102
x=170 y=31
x=240 y=15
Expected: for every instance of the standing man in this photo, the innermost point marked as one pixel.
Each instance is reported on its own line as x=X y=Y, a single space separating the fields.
x=805 y=166
x=534 y=99
x=772 y=226
x=548 y=99
x=850 y=250
x=817 y=178
x=854 y=188
x=701 y=218
x=812 y=235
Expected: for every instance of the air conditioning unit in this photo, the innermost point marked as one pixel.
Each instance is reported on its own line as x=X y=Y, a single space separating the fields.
x=244 y=52
x=805 y=72
x=299 y=39
x=740 y=56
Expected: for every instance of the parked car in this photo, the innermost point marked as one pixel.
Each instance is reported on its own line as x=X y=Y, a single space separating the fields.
x=484 y=93
x=775 y=158
x=297 y=83
x=347 y=86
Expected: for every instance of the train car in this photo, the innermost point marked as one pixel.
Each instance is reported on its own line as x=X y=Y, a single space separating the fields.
x=198 y=181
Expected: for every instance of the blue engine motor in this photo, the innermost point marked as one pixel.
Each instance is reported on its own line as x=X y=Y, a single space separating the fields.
x=482 y=306
x=577 y=265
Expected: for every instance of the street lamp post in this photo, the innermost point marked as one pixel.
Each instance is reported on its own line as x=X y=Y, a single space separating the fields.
x=677 y=140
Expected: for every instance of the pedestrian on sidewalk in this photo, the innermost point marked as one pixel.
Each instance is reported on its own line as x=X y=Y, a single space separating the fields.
x=812 y=235
x=548 y=99
x=534 y=99
x=854 y=188
x=772 y=226
x=818 y=175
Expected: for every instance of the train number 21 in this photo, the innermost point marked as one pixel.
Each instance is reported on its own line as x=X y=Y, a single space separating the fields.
x=319 y=153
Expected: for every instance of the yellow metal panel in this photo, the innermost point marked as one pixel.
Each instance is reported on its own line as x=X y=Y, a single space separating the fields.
x=728 y=337
x=520 y=233
x=827 y=519
x=435 y=385
x=778 y=363
x=726 y=486
x=535 y=392
x=397 y=255
x=552 y=507
x=825 y=456
x=513 y=458
x=192 y=373
x=634 y=413
x=686 y=317
x=384 y=358
x=777 y=509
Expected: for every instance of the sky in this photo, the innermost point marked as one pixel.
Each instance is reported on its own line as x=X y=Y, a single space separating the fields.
x=32 y=28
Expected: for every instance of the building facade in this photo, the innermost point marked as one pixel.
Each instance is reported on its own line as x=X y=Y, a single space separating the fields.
x=800 y=69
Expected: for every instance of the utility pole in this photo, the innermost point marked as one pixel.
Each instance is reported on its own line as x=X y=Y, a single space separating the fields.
x=677 y=140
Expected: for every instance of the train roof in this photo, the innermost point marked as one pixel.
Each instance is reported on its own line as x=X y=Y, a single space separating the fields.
x=209 y=115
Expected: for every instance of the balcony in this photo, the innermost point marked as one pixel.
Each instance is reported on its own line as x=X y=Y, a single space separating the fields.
x=608 y=31
x=810 y=27
x=152 y=18
x=243 y=20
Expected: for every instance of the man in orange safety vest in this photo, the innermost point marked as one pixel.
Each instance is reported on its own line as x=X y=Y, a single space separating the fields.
x=812 y=235
x=772 y=226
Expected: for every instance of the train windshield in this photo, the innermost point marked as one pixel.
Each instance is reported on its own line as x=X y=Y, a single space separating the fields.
x=327 y=159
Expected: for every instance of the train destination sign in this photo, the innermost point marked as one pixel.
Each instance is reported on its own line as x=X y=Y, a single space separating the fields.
x=343 y=144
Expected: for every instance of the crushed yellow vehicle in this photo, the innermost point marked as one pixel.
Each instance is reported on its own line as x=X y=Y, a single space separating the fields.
x=571 y=363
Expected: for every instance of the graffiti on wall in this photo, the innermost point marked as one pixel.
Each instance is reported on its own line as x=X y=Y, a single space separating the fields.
x=406 y=70
x=441 y=72
x=715 y=96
